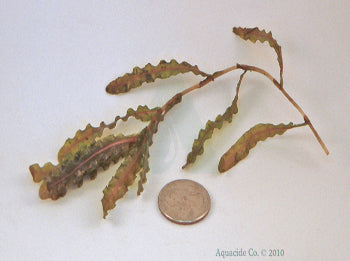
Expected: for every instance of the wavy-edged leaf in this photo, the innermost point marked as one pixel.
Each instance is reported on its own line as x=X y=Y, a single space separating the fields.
x=149 y=131
x=149 y=74
x=83 y=138
x=254 y=34
x=241 y=148
x=124 y=177
x=142 y=113
x=135 y=163
x=40 y=173
x=205 y=134
x=145 y=169
x=86 y=161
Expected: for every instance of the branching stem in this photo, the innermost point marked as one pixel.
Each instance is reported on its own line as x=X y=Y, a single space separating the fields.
x=245 y=67
x=290 y=99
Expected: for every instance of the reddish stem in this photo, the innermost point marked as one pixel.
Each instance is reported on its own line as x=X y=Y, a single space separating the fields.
x=217 y=74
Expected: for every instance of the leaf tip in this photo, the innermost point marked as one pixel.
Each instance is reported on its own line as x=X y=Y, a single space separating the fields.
x=36 y=172
x=43 y=191
x=225 y=163
x=106 y=206
x=235 y=30
x=140 y=188
x=111 y=89
x=40 y=173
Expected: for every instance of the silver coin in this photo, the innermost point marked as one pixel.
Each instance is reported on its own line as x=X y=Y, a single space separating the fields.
x=184 y=201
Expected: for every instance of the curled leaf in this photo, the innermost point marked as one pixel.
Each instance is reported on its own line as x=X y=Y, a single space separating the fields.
x=40 y=173
x=149 y=74
x=83 y=138
x=205 y=134
x=254 y=34
x=241 y=148
x=145 y=169
x=86 y=161
x=124 y=177
x=142 y=113
x=135 y=163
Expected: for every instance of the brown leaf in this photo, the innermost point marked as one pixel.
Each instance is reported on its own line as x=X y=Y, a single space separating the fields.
x=254 y=34
x=135 y=163
x=207 y=132
x=85 y=162
x=241 y=148
x=149 y=74
x=83 y=138
x=124 y=177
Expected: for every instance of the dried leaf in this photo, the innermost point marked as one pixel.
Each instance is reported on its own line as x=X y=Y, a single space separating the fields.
x=149 y=74
x=254 y=34
x=142 y=113
x=124 y=177
x=83 y=138
x=82 y=155
x=135 y=163
x=241 y=148
x=205 y=134
x=40 y=173
x=86 y=161
x=145 y=169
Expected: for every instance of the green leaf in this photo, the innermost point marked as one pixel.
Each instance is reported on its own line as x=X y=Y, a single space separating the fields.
x=86 y=161
x=205 y=134
x=254 y=34
x=149 y=74
x=241 y=148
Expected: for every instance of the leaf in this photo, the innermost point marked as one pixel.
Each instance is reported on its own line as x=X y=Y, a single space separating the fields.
x=135 y=163
x=86 y=161
x=83 y=138
x=124 y=177
x=241 y=148
x=40 y=173
x=149 y=74
x=205 y=134
x=142 y=113
x=254 y=34
x=145 y=169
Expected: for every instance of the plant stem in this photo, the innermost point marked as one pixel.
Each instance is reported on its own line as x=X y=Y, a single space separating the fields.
x=207 y=80
x=290 y=99
x=255 y=69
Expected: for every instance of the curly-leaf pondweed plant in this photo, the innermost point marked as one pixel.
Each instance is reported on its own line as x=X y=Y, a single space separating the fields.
x=83 y=155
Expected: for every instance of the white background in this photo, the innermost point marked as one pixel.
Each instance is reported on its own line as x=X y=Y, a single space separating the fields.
x=58 y=56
